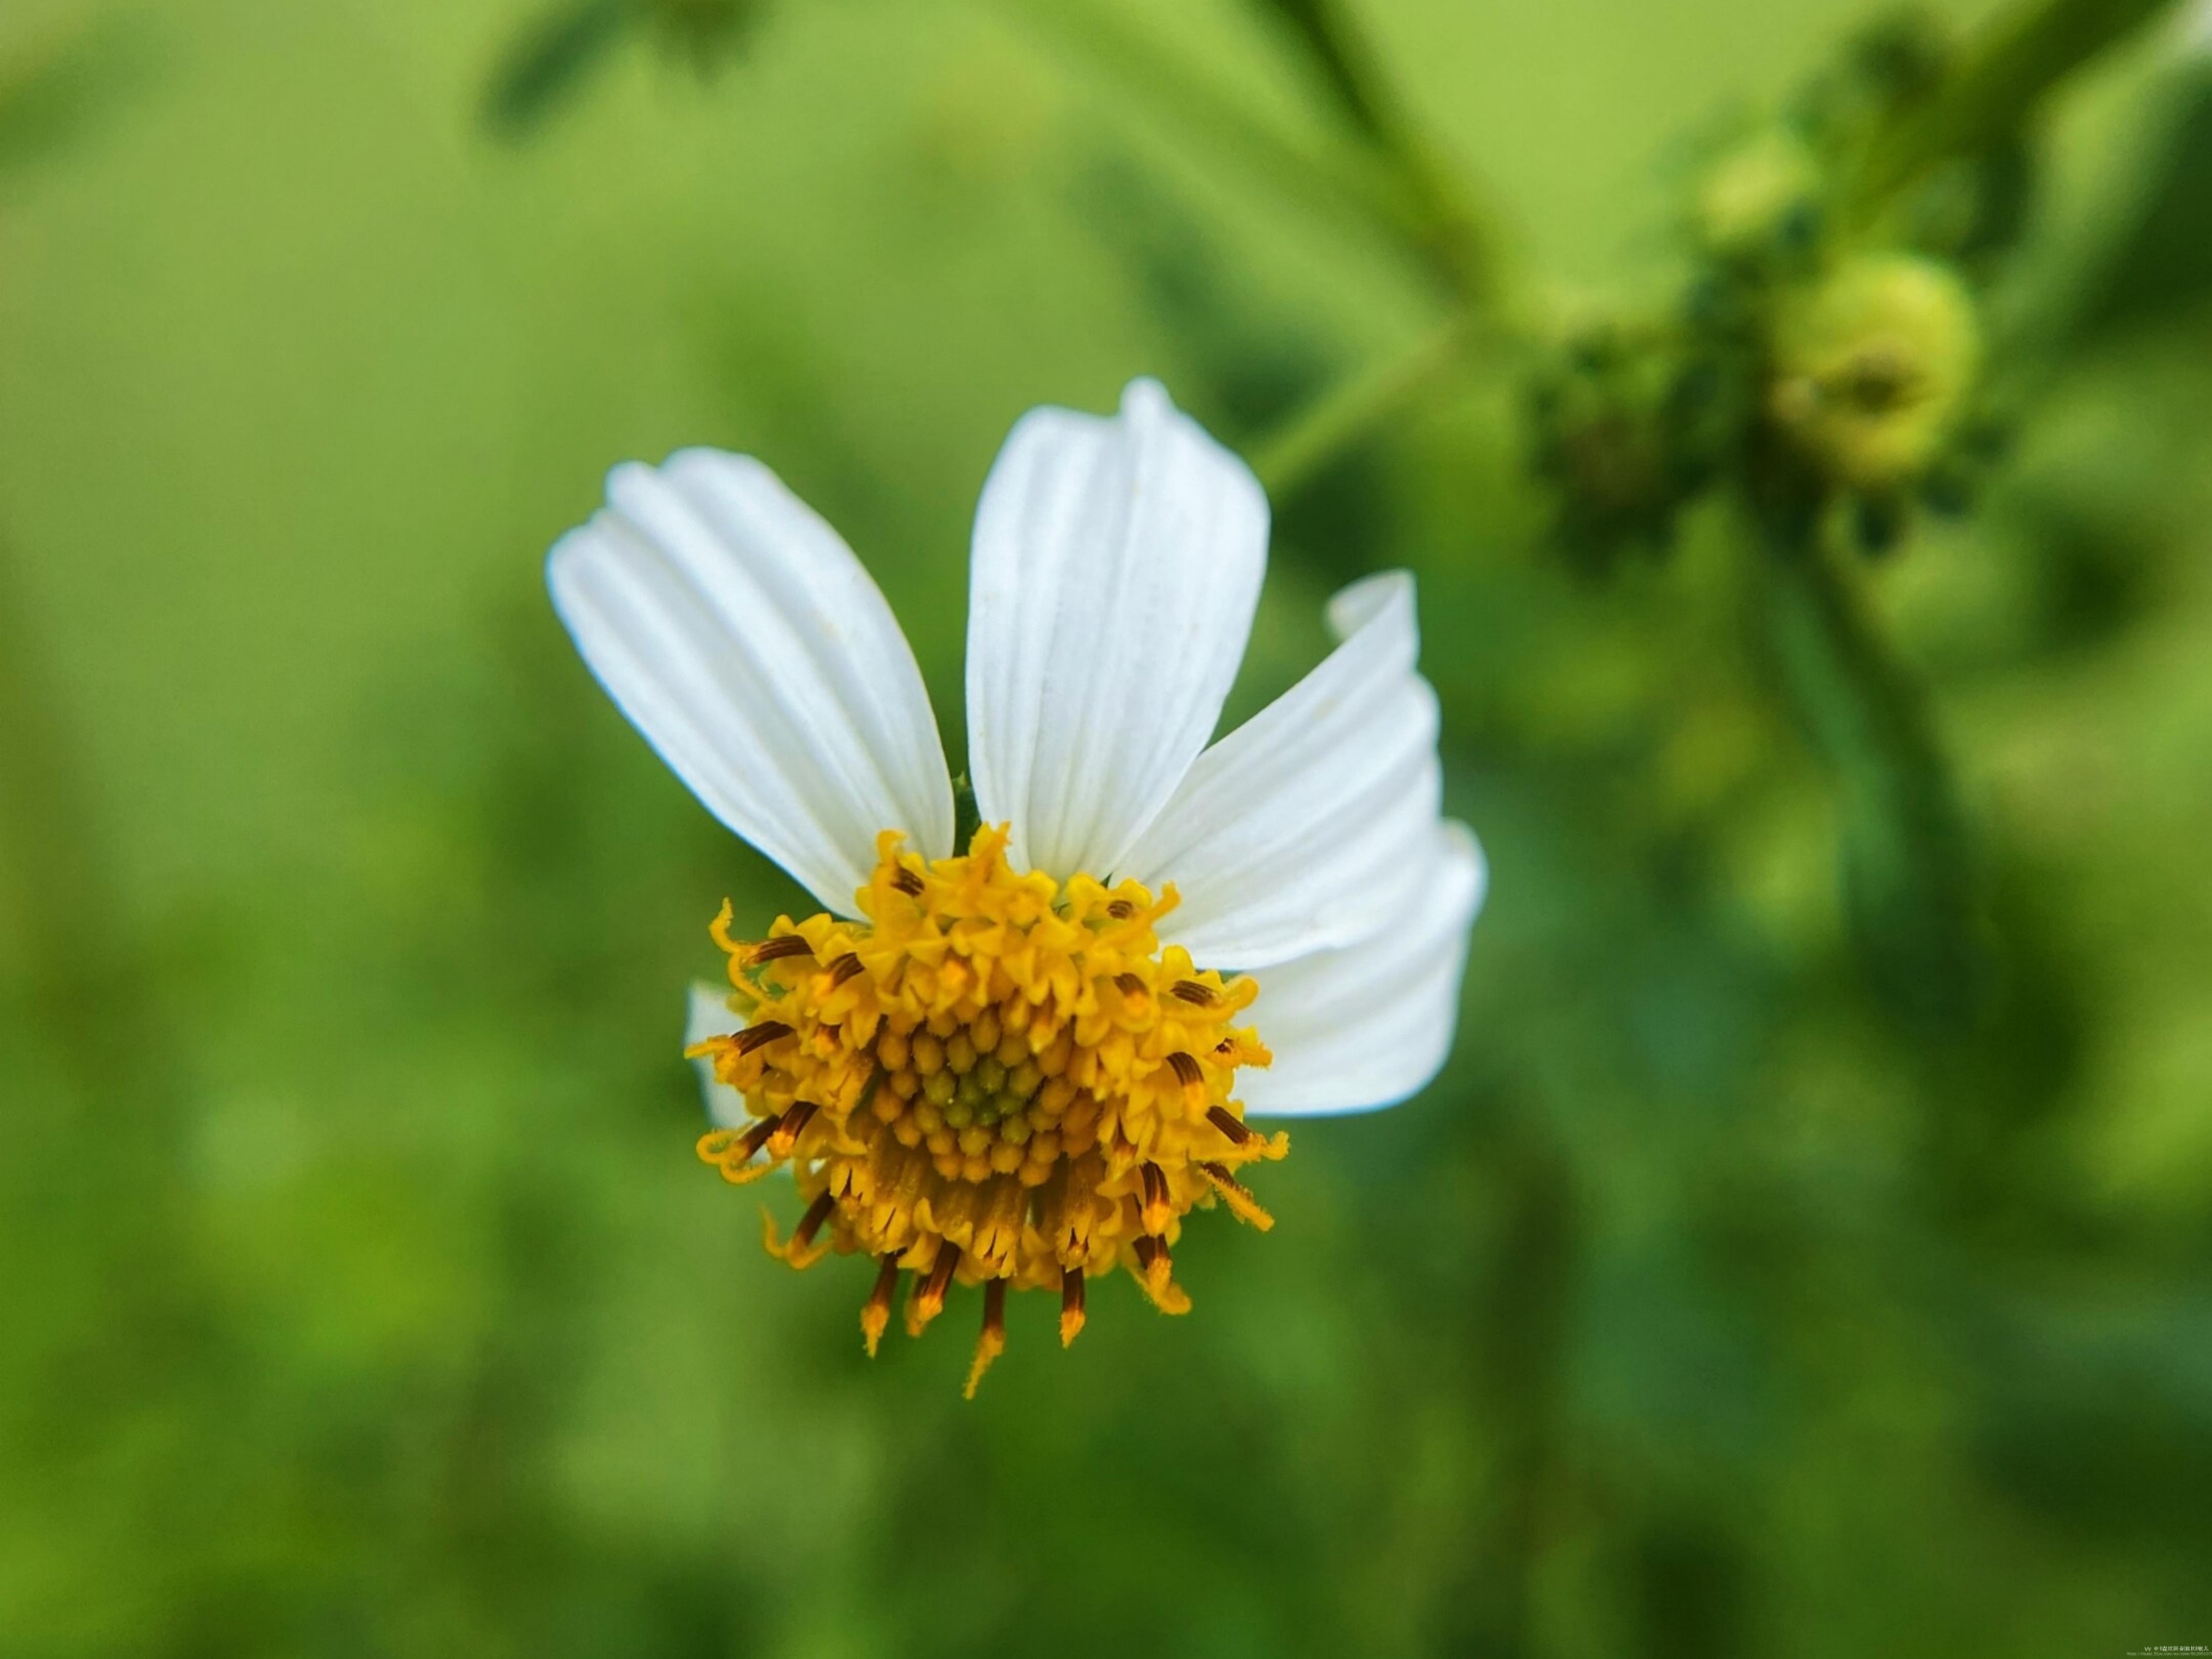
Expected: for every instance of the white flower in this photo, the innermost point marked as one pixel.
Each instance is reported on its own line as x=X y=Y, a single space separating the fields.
x=1117 y=561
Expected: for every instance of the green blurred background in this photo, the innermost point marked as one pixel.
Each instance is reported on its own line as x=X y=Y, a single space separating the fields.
x=363 y=1295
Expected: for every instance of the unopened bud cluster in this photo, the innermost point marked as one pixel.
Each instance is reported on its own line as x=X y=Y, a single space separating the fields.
x=1821 y=351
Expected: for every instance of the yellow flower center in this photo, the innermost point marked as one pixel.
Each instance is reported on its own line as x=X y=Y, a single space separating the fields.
x=997 y=1079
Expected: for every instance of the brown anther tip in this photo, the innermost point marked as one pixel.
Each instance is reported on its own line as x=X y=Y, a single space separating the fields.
x=992 y=1341
x=1227 y=1121
x=928 y=1298
x=790 y=1125
x=759 y=1037
x=1192 y=1079
x=1153 y=1257
x=1070 y=1305
x=1157 y=1278
x=802 y=1252
x=811 y=1223
x=1121 y=909
x=1129 y=985
x=876 y=1313
x=1237 y=1196
x=731 y=1152
x=1158 y=1208
x=775 y=949
x=908 y=883
x=844 y=968
x=1191 y=991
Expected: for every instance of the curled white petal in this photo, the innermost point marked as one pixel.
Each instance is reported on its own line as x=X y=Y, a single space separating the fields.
x=1117 y=562
x=1367 y=1026
x=1310 y=826
x=708 y=1015
x=737 y=631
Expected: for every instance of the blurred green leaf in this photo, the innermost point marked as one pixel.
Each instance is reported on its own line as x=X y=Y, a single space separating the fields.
x=550 y=59
x=1329 y=44
x=1996 y=89
x=557 y=52
x=2162 y=261
x=50 y=91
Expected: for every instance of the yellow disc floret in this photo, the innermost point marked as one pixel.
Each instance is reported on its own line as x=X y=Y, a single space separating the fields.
x=992 y=1077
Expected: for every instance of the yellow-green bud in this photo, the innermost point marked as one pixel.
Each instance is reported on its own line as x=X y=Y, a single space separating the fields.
x=1873 y=366
x=1755 y=192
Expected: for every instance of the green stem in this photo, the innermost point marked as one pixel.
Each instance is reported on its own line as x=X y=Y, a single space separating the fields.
x=1356 y=407
x=1456 y=233
x=2007 y=72
x=1907 y=873
x=49 y=871
x=1101 y=36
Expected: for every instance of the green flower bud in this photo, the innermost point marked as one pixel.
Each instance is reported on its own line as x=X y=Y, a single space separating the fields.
x=1873 y=366
x=1760 y=197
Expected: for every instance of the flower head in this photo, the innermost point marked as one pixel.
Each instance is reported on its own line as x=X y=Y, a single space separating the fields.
x=1874 y=367
x=1023 y=1062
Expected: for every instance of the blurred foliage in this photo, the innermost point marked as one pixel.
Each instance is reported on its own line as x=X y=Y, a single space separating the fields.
x=53 y=81
x=1807 y=1251
x=555 y=52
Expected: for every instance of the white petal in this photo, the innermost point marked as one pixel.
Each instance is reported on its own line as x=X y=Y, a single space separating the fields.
x=1117 y=562
x=738 y=632
x=1364 y=1027
x=1310 y=826
x=709 y=1015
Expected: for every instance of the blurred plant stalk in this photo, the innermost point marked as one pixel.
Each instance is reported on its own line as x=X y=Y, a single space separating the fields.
x=2015 y=62
x=59 y=899
x=54 y=892
x=1382 y=175
x=1907 y=865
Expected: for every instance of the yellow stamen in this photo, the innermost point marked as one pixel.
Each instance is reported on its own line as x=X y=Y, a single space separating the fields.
x=790 y=1127
x=876 y=1314
x=1192 y=1078
x=1237 y=1196
x=1156 y=1210
x=1157 y=1277
x=1246 y=1139
x=802 y=1252
x=994 y=1078
x=732 y=1151
x=1071 y=1306
x=992 y=1342
x=928 y=1298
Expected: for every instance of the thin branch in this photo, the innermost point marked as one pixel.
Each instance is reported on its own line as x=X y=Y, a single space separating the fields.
x=1357 y=406
x=1345 y=186
x=50 y=866
x=1908 y=869
x=1458 y=233
x=2016 y=63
